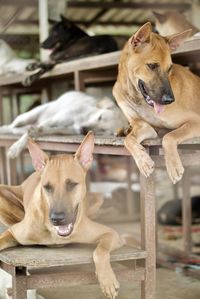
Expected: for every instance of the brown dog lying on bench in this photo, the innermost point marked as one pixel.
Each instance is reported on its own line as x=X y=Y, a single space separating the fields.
x=49 y=208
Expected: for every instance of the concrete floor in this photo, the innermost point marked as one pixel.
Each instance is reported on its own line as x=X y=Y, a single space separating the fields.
x=170 y=285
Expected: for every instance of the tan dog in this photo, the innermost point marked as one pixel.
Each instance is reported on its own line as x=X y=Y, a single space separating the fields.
x=155 y=93
x=50 y=208
x=172 y=22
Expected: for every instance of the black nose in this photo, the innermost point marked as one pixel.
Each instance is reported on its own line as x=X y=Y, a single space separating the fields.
x=84 y=130
x=58 y=218
x=167 y=99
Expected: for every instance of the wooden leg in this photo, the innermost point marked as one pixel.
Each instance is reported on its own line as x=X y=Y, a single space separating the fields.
x=19 y=284
x=148 y=236
x=79 y=81
x=11 y=171
x=130 y=198
x=186 y=213
x=2 y=166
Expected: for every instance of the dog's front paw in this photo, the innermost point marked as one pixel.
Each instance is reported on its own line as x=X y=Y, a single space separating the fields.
x=144 y=163
x=108 y=283
x=13 y=151
x=122 y=132
x=32 y=66
x=174 y=167
x=29 y=80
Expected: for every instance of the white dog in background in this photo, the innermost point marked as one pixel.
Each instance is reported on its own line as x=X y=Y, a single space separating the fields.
x=6 y=285
x=172 y=22
x=9 y=62
x=72 y=113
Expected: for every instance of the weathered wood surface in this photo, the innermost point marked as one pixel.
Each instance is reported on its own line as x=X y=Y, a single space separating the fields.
x=40 y=256
x=8 y=139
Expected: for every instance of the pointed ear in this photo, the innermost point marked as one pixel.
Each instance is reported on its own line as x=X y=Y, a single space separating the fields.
x=160 y=17
x=39 y=158
x=62 y=17
x=52 y=22
x=177 y=39
x=141 y=36
x=85 y=151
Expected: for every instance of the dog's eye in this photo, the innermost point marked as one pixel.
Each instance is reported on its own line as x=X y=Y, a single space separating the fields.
x=100 y=117
x=70 y=185
x=48 y=187
x=153 y=66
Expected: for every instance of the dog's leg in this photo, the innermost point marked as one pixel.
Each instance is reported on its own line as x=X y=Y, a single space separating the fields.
x=107 y=242
x=29 y=117
x=11 y=205
x=7 y=240
x=170 y=142
x=44 y=68
x=18 y=146
x=140 y=131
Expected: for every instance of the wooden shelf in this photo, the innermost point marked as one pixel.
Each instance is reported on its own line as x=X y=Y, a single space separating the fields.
x=188 y=52
x=39 y=256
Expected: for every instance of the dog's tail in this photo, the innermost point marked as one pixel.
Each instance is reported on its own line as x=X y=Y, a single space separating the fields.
x=18 y=146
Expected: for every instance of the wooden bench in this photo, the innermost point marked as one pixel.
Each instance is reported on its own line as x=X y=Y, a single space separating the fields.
x=41 y=267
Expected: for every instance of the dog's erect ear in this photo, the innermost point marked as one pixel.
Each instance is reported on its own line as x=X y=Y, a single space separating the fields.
x=177 y=39
x=39 y=158
x=85 y=151
x=52 y=22
x=141 y=36
x=63 y=18
x=160 y=17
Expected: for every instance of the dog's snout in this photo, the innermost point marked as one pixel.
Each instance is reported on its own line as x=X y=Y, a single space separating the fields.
x=167 y=99
x=58 y=218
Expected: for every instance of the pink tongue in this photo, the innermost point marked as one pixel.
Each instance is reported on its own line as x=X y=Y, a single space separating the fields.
x=64 y=230
x=158 y=108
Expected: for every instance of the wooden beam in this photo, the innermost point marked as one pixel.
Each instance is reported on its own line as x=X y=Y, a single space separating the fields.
x=88 y=23
x=97 y=16
x=122 y=5
x=19 y=2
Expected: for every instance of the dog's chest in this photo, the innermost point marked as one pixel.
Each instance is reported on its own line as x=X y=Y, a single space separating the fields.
x=146 y=113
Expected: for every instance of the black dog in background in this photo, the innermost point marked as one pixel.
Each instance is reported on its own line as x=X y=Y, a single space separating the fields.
x=67 y=42
x=171 y=212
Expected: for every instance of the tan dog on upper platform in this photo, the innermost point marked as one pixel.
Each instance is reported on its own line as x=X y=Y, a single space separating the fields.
x=155 y=93
x=50 y=208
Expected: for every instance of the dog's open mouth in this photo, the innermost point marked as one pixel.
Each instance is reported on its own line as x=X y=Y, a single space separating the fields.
x=144 y=91
x=67 y=229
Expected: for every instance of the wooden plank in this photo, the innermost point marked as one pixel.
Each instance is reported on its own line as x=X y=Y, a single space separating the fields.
x=40 y=256
x=123 y=5
x=74 y=278
x=88 y=63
